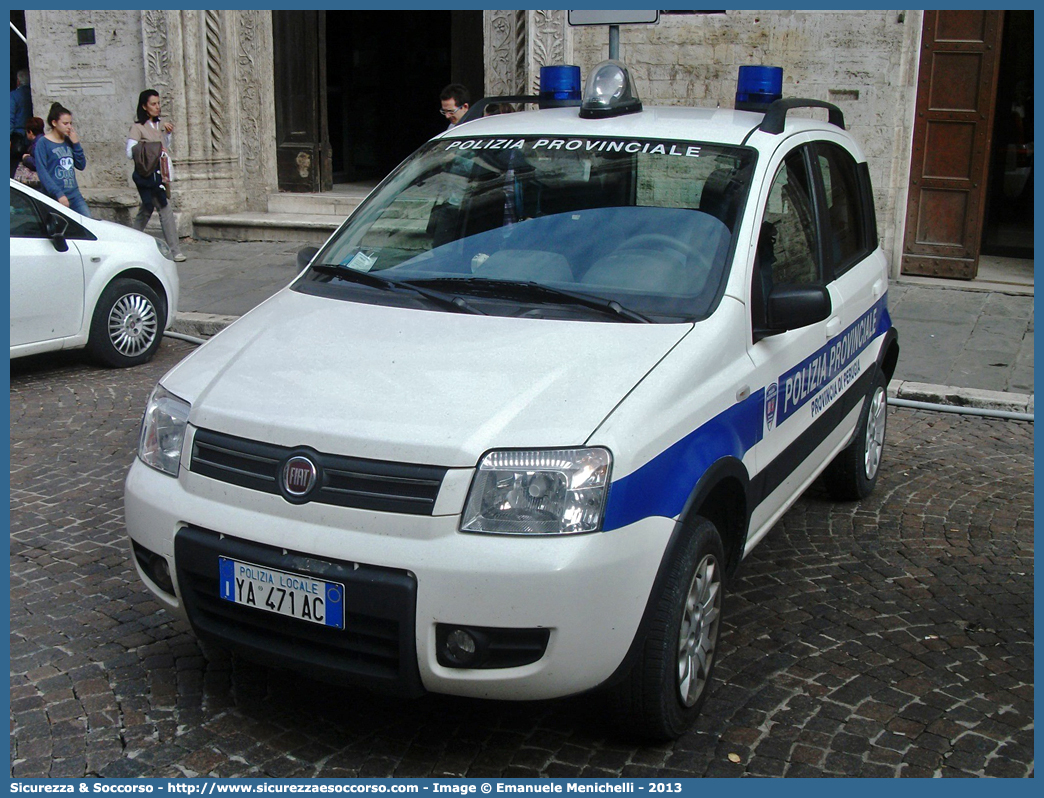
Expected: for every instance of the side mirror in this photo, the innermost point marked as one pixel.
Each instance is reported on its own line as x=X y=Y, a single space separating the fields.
x=304 y=256
x=791 y=307
x=56 y=227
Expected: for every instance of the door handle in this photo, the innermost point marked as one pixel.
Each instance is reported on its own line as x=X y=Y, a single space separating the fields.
x=878 y=288
x=742 y=393
x=833 y=327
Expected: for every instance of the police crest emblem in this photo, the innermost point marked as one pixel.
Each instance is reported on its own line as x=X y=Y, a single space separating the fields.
x=770 y=405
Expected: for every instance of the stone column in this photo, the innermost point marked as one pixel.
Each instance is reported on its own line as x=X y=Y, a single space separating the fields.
x=547 y=44
x=213 y=72
x=518 y=43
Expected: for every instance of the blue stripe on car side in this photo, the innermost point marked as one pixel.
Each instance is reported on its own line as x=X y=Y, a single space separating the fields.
x=662 y=486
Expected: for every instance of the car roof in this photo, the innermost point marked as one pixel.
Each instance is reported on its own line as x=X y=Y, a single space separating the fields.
x=717 y=125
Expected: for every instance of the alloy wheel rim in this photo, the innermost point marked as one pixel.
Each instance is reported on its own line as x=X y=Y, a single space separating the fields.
x=698 y=634
x=875 y=433
x=133 y=325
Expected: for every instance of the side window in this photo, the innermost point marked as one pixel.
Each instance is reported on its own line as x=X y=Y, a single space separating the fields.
x=846 y=239
x=787 y=246
x=25 y=222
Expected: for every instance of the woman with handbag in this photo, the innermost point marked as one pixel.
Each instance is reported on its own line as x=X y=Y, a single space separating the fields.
x=148 y=146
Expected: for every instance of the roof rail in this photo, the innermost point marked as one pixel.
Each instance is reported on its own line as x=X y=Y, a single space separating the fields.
x=776 y=115
x=478 y=109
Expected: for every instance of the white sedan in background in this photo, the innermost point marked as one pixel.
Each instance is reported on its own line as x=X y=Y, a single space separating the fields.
x=79 y=282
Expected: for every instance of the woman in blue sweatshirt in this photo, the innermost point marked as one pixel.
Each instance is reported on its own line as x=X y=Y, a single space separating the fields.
x=57 y=155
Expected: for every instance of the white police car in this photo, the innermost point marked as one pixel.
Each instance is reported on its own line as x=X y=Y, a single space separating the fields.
x=522 y=416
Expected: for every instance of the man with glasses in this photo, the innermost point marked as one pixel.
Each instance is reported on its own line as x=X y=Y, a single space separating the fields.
x=455 y=99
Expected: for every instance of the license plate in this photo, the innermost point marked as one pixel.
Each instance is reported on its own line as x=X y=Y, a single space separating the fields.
x=283 y=593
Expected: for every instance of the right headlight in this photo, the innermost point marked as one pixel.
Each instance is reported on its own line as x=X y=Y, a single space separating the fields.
x=163 y=431
x=161 y=245
x=539 y=491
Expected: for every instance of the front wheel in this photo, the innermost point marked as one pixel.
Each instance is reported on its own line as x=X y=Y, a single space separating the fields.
x=853 y=473
x=662 y=695
x=127 y=325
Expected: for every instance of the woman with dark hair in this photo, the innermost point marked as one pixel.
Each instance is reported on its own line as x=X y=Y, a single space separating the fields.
x=57 y=156
x=152 y=176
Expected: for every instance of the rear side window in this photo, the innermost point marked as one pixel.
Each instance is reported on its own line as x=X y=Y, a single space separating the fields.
x=25 y=222
x=845 y=239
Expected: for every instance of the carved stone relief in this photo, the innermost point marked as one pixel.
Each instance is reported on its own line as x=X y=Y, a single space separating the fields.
x=217 y=131
x=505 y=52
x=213 y=71
x=518 y=43
x=255 y=101
x=156 y=44
x=547 y=45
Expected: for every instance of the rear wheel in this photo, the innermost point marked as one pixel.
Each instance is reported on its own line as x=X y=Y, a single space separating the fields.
x=663 y=693
x=127 y=325
x=853 y=474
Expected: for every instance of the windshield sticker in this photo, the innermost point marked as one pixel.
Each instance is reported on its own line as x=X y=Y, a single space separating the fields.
x=669 y=148
x=360 y=261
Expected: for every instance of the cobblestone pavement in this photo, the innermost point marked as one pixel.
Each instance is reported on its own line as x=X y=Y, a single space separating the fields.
x=891 y=637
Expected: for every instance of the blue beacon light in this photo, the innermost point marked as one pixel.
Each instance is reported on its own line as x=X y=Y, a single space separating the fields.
x=559 y=85
x=758 y=87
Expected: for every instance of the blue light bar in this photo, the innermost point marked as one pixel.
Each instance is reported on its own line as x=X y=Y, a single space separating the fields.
x=559 y=85
x=758 y=87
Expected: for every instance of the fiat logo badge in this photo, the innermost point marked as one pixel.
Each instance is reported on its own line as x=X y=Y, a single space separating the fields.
x=299 y=476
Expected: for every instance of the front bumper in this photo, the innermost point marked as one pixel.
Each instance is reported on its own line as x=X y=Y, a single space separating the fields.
x=590 y=591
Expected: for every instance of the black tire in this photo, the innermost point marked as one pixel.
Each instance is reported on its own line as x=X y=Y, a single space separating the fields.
x=853 y=473
x=127 y=325
x=659 y=699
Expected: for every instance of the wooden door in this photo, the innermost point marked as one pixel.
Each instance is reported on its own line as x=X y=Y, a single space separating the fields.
x=303 y=160
x=956 y=89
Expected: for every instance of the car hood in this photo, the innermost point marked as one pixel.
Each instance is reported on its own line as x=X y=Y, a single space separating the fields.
x=412 y=385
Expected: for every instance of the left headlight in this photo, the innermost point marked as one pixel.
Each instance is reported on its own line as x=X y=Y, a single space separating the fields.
x=542 y=492
x=163 y=431
x=161 y=245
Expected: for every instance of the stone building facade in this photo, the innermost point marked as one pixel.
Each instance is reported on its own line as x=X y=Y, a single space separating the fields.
x=214 y=71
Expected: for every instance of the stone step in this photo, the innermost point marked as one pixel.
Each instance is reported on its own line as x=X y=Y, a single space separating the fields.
x=328 y=203
x=308 y=218
x=307 y=228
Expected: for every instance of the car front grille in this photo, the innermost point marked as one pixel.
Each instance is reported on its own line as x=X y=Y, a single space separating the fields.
x=376 y=648
x=344 y=481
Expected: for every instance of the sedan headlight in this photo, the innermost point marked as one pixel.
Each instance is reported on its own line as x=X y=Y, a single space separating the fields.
x=161 y=245
x=543 y=492
x=163 y=431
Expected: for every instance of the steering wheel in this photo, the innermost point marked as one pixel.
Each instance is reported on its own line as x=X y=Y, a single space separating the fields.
x=657 y=239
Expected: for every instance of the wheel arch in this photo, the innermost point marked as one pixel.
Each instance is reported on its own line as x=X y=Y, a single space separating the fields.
x=723 y=497
x=143 y=276
x=888 y=355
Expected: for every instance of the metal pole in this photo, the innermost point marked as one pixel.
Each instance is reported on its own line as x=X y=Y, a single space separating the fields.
x=19 y=34
x=614 y=42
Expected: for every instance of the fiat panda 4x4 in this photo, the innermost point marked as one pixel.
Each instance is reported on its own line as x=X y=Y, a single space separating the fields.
x=513 y=427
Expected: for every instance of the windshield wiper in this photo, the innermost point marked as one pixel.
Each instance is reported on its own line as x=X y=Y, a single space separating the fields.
x=528 y=289
x=383 y=283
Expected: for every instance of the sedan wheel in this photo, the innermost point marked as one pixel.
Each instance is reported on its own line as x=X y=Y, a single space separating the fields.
x=133 y=325
x=127 y=325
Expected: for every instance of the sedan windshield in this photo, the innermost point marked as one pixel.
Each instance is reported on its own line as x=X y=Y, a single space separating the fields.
x=643 y=227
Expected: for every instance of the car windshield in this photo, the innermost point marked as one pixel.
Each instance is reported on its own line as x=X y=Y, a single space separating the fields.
x=646 y=225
